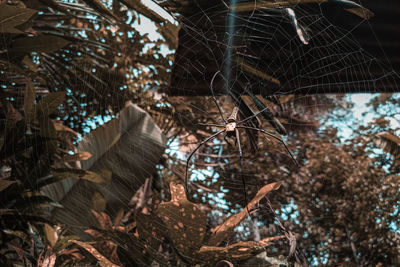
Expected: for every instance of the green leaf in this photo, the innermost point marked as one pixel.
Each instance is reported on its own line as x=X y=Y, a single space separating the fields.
x=12 y=16
x=43 y=43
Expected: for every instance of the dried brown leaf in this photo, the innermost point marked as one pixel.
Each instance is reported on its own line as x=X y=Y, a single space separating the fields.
x=221 y=232
x=185 y=221
x=103 y=219
x=5 y=183
x=361 y=12
x=77 y=156
x=51 y=234
x=389 y=143
x=103 y=261
x=239 y=251
x=250 y=6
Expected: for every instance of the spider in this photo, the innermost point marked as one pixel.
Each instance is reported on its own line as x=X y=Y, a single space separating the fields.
x=230 y=128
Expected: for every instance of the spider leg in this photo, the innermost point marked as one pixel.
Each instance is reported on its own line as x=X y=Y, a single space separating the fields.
x=276 y=138
x=252 y=116
x=227 y=141
x=213 y=96
x=213 y=125
x=194 y=151
x=241 y=169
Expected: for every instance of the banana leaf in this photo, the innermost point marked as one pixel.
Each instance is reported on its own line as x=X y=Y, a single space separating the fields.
x=124 y=152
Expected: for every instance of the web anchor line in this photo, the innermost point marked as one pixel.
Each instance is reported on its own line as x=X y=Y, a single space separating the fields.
x=294 y=249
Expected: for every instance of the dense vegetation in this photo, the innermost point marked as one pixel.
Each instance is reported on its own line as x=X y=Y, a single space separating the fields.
x=67 y=66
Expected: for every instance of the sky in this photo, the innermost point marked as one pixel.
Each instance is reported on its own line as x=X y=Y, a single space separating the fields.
x=147 y=26
x=360 y=111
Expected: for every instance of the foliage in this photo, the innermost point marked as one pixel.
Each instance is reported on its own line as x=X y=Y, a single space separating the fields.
x=179 y=222
x=67 y=62
x=343 y=201
x=125 y=153
x=347 y=202
x=296 y=113
x=71 y=50
x=91 y=52
x=34 y=155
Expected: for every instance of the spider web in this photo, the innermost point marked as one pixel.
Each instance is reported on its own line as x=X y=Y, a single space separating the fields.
x=270 y=53
x=305 y=50
x=300 y=49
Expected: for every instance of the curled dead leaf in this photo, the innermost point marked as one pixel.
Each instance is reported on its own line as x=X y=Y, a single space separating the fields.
x=224 y=230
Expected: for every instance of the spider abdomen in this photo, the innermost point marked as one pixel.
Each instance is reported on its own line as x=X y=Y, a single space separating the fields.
x=233 y=116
